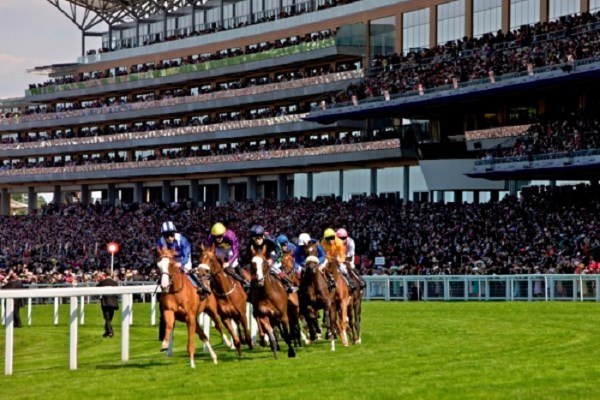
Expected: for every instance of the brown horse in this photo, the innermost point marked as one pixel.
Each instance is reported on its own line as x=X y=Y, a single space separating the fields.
x=354 y=308
x=341 y=298
x=180 y=302
x=231 y=297
x=315 y=295
x=270 y=302
x=287 y=266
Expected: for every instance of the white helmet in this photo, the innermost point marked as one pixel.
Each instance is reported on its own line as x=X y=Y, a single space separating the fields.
x=168 y=227
x=303 y=239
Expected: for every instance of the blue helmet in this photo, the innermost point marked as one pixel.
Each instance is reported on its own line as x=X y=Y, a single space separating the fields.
x=291 y=247
x=168 y=227
x=257 y=230
x=282 y=239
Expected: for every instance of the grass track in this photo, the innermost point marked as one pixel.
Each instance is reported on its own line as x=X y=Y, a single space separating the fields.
x=508 y=350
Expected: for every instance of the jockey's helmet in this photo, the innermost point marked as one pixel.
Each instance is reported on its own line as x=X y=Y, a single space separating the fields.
x=303 y=239
x=329 y=233
x=168 y=227
x=282 y=239
x=257 y=230
x=218 y=229
x=341 y=233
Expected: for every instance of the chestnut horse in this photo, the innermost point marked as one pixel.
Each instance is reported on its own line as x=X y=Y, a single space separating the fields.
x=315 y=295
x=231 y=297
x=354 y=308
x=341 y=298
x=270 y=302
x=180 y=301
x=287 y=266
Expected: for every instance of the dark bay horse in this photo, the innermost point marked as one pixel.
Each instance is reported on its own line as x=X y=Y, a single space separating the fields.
x=231 y=297
x=270 y=302
x=314 y=295
x=180 y=302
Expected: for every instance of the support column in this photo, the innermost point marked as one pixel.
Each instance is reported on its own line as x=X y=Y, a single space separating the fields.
x=476 y=194
x=309 y=185
x=223 y=191
x=281 y=187
x=57 y=195
x=5 y=206
x=31 y=199
x=494 y=196
x=85 y=194
x=251 y=188
x=458 y=196
x=111 y=192
x=406 y=184
x=373 y=182
x=138 y=192
x=439 y=196
x=341 y=184
x=512 y=187
x=166 y=192
x=194 y=192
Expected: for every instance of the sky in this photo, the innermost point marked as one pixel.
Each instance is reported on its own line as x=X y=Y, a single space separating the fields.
x=34 y=33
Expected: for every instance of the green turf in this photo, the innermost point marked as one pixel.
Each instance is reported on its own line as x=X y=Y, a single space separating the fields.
x=512 y=350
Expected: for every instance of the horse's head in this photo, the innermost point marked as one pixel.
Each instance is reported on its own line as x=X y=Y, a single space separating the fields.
x=311 y=249
x=209 y=260
x=287 y=262
x=166 y=264
x=260 y=265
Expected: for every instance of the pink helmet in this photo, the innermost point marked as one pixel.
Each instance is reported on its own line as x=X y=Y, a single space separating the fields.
x=341 y=233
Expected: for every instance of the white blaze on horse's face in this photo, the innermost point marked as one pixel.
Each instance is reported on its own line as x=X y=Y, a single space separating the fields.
x=163 y=264
x=258 y=261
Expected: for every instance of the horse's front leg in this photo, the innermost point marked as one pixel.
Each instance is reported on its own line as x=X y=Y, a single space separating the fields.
x=206 y=342
x=243 y=322
x=286 y=332
x=191 y=323
x=236 y=340
x=343 y=322
x=169 y=319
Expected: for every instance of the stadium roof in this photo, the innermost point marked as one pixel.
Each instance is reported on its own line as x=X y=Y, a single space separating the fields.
x=89 y=13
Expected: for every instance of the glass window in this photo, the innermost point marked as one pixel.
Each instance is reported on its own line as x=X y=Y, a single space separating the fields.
x=487 y=16
x=383 y=33
x=558 y=8
x=415 y=30
x=451 y=21
x=594 y=6
x=524 y=12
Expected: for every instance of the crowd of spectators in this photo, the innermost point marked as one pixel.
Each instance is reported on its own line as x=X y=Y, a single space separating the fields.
x=554 y=44
x=548 y=229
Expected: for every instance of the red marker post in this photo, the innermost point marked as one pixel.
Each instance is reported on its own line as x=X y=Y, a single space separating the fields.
x=112 y=248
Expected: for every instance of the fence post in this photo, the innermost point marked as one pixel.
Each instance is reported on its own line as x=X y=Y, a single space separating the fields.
x=73 y=333
x=10 y=331
x=125 y=317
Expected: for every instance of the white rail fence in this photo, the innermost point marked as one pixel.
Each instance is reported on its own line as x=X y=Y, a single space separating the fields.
x=534 y=287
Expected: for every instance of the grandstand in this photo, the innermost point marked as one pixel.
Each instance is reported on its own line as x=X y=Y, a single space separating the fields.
x=220 y=100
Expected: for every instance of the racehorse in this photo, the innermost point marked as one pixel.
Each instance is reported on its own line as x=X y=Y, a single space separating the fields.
x=287 y=266
x=270 y=302
x=354 y=308
x=180 y=301
x=231 y=297
x=315 y=295
x=341 y=298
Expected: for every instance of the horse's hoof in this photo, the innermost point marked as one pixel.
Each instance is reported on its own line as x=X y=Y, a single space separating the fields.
x=164 y=348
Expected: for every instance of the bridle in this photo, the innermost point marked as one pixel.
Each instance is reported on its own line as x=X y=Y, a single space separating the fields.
x=169 y=276
x=206 y=266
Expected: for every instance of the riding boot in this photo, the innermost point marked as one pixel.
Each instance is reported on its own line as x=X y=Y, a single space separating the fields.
x=330 y=280
x=287 y=283
x=201 y=287
x=349 y=280
x=232 y=272
x=359 y=278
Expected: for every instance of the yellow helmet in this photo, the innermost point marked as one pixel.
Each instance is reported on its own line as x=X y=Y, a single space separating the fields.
x=329 y=233
x=218 y=229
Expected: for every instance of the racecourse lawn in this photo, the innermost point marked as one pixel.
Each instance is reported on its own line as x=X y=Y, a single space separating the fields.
x=430 y=350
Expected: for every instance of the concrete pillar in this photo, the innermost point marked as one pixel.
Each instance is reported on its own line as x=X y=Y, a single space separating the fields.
x=111 y=193
x=458 y=196
x=194 y=191
x=552 y=183
x=309 y=185
x=406 y=184
x=251 y=188
x=341 y=184
x=438 y=196
x=31 y=199
x=223 y=191
x=494 y=196
x=57 y=195
x=166 y=192
x=138 y=192
x=5 y=206
x=512 y=187
x=476 y=196
x=281 y=187
x=373 y=182
x=85 y=194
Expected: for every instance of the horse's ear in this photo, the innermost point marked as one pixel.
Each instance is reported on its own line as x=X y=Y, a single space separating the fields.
x=201 y=247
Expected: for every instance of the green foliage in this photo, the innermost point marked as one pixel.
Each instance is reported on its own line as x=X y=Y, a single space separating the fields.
x=411 y=350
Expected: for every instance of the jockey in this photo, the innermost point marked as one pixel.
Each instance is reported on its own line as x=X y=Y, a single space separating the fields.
x=284 y=245
x=258 y=242
x=173 y=240
x=300 y=257
x=227 y=246
x=335 y=247
x=350 y=250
